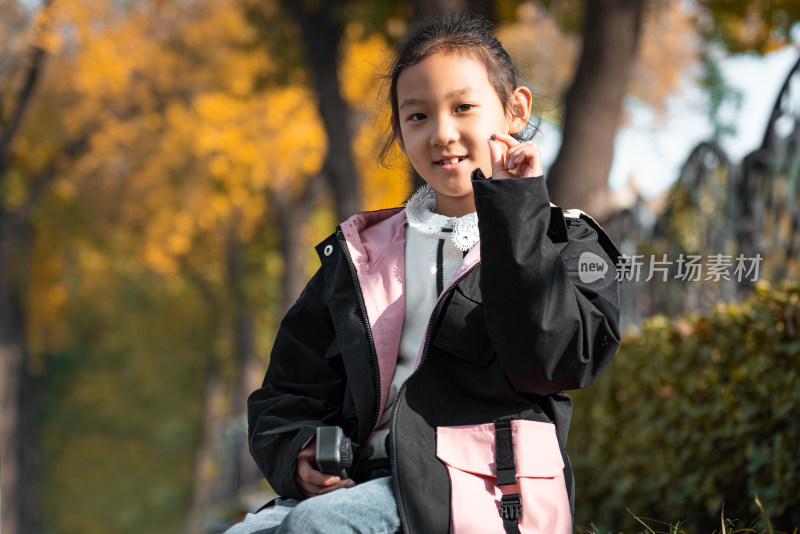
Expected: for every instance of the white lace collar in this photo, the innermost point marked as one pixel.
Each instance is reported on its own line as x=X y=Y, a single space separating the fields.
x=419 y=210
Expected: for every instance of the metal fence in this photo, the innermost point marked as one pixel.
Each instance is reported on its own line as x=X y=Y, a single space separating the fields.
x=725 y=225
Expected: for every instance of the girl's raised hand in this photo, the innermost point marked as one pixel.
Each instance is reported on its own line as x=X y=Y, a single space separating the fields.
x=508 y=154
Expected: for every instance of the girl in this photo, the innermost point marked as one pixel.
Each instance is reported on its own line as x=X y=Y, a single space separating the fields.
x=440 y=336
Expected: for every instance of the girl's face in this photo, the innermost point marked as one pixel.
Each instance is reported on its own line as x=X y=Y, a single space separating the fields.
x=447 y=111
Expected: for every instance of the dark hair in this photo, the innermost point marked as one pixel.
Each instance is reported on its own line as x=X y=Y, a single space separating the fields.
x=462 y=33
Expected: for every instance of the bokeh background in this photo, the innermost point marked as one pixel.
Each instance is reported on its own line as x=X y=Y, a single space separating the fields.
x=166 y=167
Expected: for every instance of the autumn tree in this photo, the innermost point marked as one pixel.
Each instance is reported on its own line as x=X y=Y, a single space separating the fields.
x=28 y=36
x=744 y=26
x=616 y=43
x=593 y=104
x=130 y=83
x=321 y=26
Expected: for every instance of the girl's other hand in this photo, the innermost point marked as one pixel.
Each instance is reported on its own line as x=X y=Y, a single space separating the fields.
x=508 y=154
x=311 y=481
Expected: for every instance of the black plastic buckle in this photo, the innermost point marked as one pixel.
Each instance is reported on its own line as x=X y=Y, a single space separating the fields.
x=506 y=477
x=511 y=507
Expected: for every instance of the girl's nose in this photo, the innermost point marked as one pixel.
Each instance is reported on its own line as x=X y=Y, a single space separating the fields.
x=444 y=133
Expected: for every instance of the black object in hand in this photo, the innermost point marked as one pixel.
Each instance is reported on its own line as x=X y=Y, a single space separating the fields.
x=334 y=451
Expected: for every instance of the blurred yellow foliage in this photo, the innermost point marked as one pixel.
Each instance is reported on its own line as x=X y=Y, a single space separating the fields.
x=364 y=60
x=364 y=63
x=668 y=47
x=50 y=295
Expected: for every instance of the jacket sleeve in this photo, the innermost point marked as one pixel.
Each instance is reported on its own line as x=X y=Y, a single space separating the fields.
x=301 y=391
x=552 y=331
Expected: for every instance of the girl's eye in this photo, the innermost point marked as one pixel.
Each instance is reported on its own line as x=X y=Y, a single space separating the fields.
x=416 y=117
x=464 y=107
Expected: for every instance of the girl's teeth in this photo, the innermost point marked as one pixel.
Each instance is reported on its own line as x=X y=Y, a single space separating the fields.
x=453 y=161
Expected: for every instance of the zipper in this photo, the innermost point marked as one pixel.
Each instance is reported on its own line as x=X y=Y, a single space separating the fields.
x=376 y=377
x=392 y=446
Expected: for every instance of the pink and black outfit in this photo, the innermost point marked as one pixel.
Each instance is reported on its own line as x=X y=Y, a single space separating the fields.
x=473 y=425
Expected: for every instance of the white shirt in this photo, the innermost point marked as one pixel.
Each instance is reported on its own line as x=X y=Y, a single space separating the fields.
x=434 y=248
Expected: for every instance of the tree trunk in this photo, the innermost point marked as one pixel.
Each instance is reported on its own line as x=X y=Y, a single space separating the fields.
x=321 y=32
x=205 y=462
x=224 y=470
x=243 y=471
x=17 y=490
x=222 y=462
x=31 y=454
x=15 y=436
x=291 y=216
x=12 y=364
x=424 y=9
x=427 y=9
x=593 y=106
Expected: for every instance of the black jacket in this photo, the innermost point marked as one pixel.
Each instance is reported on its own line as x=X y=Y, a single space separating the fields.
x=504 y=341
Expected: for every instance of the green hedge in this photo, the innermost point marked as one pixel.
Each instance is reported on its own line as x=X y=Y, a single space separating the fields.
x=692 y=413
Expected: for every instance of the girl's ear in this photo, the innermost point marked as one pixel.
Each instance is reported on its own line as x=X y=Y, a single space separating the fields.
x=520 y=110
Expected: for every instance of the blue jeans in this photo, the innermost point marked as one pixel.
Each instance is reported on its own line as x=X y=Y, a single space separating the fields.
x=368 y=507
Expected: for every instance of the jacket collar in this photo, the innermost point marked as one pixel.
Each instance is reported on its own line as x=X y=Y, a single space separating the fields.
x=369 y=235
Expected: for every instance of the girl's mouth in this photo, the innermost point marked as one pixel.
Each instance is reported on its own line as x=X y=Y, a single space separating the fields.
x=451 y=161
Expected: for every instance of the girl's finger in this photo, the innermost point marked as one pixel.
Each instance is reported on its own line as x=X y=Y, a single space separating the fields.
x=311 y=476
x=497 y=158
x=526 y=159
x=317 y=489
x=506 y=139
x=519 y=153
x=319 y=483
x=347 y=483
